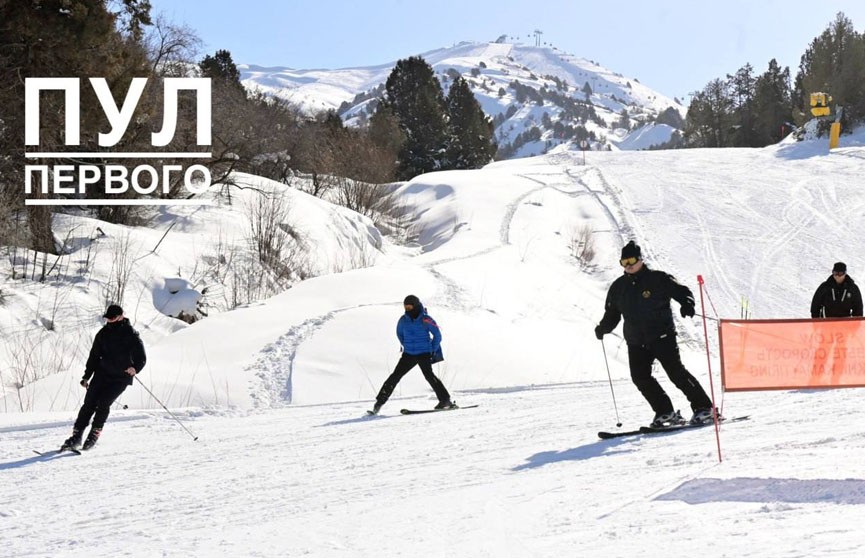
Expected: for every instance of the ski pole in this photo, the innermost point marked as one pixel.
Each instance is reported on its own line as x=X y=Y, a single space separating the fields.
x=610 y=378
x=194 y=437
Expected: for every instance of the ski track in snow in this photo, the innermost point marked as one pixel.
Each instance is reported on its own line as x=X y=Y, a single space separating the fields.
x=620 y=226
x=275 y=363
x=454 y=295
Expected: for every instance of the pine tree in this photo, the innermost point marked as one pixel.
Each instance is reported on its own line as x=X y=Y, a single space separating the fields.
x=415 y=97
x=470 y=131
x=624 y=119
x=671 y=117
x=221 y=67
x=772 y=105
x=741 y=91
x=834 y=63
x=710 y=116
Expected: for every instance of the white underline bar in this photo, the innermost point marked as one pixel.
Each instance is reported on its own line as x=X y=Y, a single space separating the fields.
x=139 y=155
x=117 y=202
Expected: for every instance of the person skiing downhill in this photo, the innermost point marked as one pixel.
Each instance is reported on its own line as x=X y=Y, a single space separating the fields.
x=116 y=356
x=420 y=338
x=838 y=296
x=642 y=296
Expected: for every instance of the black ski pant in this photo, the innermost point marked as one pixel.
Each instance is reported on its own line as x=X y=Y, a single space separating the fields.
x=406 y=363
x=97 y=404
x=666 y=351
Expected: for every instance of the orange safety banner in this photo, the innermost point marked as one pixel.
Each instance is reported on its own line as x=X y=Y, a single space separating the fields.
x=792 y=354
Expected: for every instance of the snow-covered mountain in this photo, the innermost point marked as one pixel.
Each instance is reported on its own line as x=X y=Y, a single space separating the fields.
x=538 y=97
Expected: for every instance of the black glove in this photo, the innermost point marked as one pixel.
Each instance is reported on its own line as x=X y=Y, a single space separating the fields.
x=599 y=333
x=687 y=311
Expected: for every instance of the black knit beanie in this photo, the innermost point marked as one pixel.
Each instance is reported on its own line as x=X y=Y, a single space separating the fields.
x=631 y=250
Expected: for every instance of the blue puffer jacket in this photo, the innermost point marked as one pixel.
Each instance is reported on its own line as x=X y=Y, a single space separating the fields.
x=414 y=333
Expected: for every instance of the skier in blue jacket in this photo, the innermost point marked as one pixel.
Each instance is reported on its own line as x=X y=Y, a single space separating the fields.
x=421 y=339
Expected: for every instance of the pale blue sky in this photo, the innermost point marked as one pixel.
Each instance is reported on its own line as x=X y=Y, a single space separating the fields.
x=672 y=46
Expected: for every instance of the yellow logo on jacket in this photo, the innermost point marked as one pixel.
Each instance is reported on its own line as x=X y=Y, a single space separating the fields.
x=647 y=294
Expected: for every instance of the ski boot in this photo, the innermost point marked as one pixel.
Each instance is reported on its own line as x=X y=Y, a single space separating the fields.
x=664 y=420
x=443 y=405
x=375 y=409
x=704 y=416
x=72 y=442
x=91 y=439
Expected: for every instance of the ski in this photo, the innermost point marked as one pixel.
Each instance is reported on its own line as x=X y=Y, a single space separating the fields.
x=608 y=435
x=644 y=430
x=687 y=426
x=56 y=452
x=422 y=411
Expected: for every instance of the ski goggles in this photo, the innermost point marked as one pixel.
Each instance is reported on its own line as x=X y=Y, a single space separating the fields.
x=628 y=261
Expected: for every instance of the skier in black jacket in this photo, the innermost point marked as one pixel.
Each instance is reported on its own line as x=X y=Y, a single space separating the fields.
x=838 y=296
x=642 y=296
x=116 y=356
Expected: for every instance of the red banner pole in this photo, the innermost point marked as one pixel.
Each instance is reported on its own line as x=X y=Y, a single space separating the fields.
x=709 y=361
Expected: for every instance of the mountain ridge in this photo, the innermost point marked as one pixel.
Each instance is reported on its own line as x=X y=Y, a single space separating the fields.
x=536 y=96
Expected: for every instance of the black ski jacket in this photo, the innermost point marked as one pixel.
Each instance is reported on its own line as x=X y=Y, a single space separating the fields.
x=832 y=300
x=116 y=347
x=643 y=299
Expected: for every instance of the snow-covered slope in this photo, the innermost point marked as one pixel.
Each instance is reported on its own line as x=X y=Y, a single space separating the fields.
x=198 y=260
x=494 y=263
x=647 y=137
x=524 y=474
x=555 y=80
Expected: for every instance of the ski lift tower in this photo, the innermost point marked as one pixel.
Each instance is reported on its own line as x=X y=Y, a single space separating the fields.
x=538 y=34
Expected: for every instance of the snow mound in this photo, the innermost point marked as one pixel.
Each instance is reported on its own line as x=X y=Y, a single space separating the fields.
x=176 y=298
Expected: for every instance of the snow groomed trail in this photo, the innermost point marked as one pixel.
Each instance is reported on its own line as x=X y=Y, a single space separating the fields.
x=521 y=475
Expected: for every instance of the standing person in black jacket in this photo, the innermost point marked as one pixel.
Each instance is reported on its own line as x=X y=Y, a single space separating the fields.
x=642 y=296
x=116 y=356
x=838 y=296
